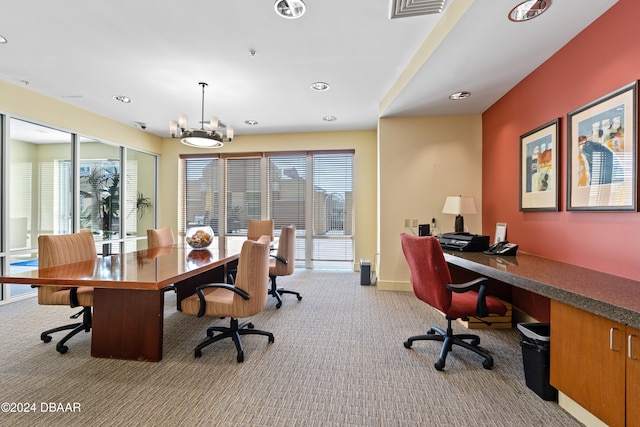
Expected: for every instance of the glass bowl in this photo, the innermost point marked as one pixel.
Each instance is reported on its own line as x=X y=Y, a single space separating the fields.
x=199 y=237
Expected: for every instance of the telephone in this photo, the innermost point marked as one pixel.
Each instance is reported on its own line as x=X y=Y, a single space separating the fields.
x=502 y=248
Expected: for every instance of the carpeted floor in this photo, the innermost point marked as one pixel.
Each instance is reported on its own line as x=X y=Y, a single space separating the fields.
x=337 y=360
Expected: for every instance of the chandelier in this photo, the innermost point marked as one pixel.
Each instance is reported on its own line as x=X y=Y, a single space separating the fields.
x=213 y=137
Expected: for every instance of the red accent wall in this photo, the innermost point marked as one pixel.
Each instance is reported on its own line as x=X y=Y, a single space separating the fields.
x=602 y=58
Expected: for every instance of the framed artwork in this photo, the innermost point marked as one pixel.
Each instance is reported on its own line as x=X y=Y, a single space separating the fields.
x=602 y=153
x=539 y=172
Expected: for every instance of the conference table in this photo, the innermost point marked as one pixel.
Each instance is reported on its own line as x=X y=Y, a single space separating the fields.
x=128 y=302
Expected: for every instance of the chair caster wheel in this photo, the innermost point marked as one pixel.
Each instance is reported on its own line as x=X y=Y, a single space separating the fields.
x=45 y=338
x=278 y=305
x=62 y=349
x=250 y=325
x=439 y=365
x=271 y=339
x=240 y=357
x=407 y=344
x=431 y=332
x=487 y=364
x=197 y=354
x=299 y=297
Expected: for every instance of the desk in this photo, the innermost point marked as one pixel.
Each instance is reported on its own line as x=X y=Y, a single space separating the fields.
x=594 y=315
x=128 y=302
x=613 y=297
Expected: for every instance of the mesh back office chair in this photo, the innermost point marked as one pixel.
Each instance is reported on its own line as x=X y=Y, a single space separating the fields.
x=431 y=281
x=245 y=298
x=66 y=249
x=282 y=264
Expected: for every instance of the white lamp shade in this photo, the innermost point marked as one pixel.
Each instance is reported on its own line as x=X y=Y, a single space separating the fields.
x=214 y=123
x=229 y=133
x=458 y=205
x=182 y=121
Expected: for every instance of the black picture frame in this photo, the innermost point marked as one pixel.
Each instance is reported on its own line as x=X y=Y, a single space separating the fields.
x=602 y=152
x=539 y=168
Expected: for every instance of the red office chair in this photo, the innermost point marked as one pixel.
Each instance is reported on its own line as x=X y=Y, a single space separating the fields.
x=431 y=281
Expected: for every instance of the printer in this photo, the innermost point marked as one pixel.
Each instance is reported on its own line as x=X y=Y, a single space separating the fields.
x=464 y=242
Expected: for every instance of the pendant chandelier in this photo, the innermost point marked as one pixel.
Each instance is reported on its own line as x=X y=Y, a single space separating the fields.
x=214 y=137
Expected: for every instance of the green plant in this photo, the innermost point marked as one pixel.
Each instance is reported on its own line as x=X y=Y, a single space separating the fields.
x=143 y=204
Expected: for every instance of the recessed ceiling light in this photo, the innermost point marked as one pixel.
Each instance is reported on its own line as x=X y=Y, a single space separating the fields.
x=528 y=10
x=251 y=122
x=320 y=86
x=290 y=9
x=329 y=118
x=122 y=98
x=459 y=95
x=3 y=40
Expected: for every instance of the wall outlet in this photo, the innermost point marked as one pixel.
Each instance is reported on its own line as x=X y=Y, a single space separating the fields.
x=407 y=222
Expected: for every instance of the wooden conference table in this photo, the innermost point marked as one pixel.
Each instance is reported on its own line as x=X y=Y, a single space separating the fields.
x=128 y=302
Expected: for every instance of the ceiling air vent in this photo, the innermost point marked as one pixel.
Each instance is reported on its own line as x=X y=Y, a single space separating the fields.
x=405 y=8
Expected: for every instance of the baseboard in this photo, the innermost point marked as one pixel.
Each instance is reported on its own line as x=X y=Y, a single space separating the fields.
x=386 y=285
x=578 y=412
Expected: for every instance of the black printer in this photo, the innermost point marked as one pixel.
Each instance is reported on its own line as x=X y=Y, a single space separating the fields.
x=464 y=242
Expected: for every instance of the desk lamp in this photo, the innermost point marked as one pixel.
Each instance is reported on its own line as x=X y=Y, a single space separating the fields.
x=458 y=205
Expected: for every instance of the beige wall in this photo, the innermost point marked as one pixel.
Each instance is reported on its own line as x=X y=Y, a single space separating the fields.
x=26 y=104
x=422 y=161
x=365 y=163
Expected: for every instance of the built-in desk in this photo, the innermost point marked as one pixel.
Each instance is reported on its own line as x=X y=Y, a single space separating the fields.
x=613 y=297
x=595 y=331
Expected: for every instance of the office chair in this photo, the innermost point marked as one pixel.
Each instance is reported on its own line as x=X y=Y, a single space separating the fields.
x=66 y=249
x=260 y=227
x=431 y=281
x=246 y=298
x=159 y=237
x=282 y=264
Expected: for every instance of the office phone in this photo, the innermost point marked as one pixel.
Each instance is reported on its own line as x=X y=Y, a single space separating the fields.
x=502 y=248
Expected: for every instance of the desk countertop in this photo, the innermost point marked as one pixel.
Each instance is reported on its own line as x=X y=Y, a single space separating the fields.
x=613 y=297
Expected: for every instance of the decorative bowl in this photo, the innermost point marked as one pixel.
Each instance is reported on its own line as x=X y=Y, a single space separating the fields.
x=199 y=237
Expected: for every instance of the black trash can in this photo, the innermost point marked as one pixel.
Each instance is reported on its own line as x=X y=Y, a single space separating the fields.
x=535 y=340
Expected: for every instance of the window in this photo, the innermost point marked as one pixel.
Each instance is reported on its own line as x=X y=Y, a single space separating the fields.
x=40 y=193
x=313 y=191
x=59 y=182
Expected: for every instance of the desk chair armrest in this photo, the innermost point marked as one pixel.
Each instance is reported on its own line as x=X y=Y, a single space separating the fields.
x=481 y=308
x=280 y=259
x=231 y=288
x=73 y=297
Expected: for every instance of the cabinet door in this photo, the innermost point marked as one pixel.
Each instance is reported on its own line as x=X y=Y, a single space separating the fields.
x=588 y=361
x=633 y=377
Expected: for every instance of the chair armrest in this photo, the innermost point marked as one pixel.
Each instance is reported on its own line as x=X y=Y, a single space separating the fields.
x=73 y=297
x=231 y=288
x=279 y=258
x=481 y=282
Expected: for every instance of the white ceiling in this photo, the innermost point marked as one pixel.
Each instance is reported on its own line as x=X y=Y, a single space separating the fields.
x=156 y=52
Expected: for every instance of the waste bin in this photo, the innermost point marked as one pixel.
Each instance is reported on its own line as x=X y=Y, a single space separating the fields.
x=535 y=341
x=365 y=272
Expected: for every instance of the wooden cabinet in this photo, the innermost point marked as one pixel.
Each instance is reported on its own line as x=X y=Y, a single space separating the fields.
x=596 y=363
x=633 y=377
